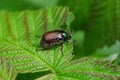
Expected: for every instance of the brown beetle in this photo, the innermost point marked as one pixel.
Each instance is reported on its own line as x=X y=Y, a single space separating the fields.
x=53 y=38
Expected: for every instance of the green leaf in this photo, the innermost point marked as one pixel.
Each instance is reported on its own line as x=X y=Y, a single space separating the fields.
x=18 y=48
x=108 y=50
x=110 y=53
x=80 y=9
x=103 y=27
x=18 y=40
x=85 y=69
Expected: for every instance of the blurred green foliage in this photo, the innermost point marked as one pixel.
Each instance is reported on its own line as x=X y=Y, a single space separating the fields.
x=14 y=5
x=97 y=20
x=31 y=76
x=96 y=25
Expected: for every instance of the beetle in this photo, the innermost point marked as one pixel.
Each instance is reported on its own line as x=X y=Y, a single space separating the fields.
x=53 y=38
